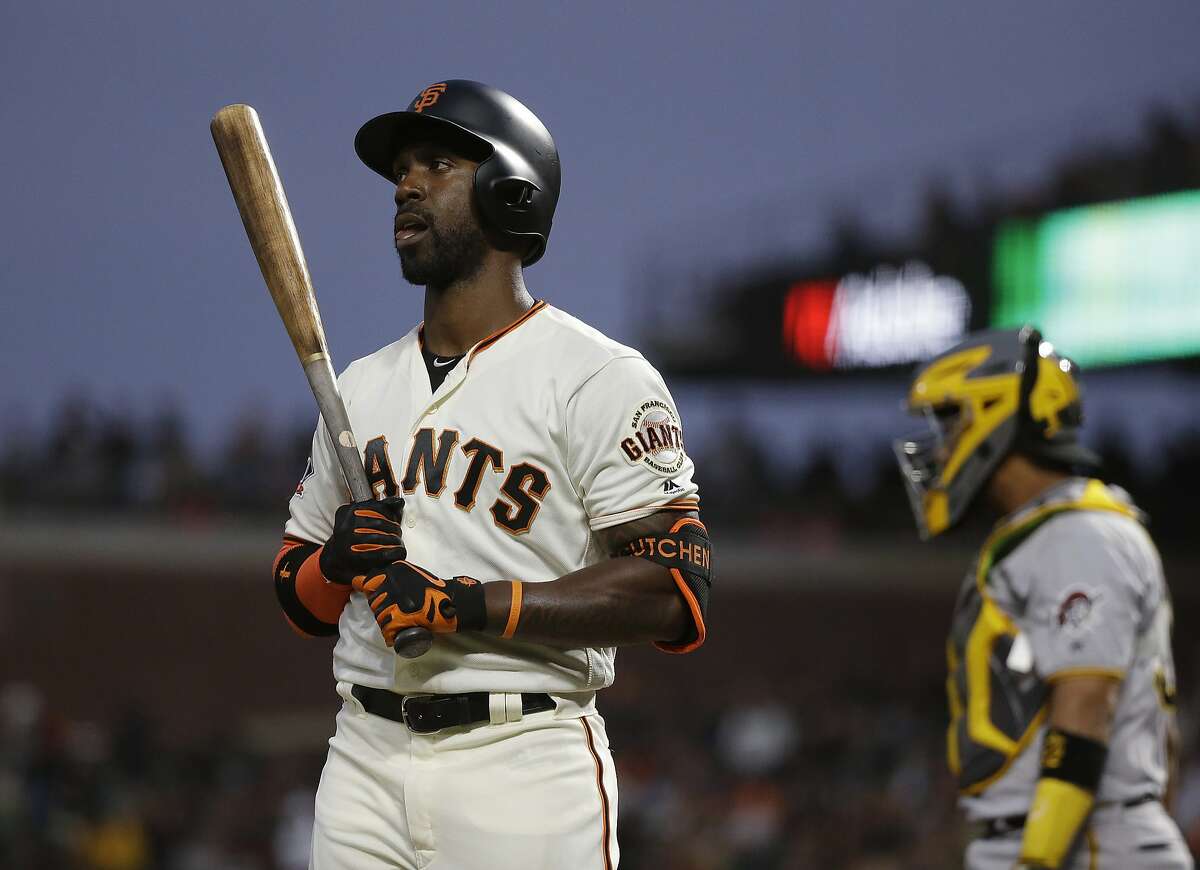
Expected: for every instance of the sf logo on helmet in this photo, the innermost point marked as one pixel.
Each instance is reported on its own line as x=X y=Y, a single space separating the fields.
x=428 y=97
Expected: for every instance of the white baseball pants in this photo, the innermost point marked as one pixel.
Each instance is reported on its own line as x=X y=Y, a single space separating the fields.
x=536 y=794
x=1143 y=837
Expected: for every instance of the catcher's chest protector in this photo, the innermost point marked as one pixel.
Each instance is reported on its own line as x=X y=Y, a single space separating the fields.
x=997 y=702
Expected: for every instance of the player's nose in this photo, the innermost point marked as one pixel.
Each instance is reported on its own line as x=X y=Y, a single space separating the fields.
x=408 y=189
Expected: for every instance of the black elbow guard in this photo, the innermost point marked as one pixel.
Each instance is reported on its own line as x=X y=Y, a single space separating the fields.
x=290 y=562
x=686 y=551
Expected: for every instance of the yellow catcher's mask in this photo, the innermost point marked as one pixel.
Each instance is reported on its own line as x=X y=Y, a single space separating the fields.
x=993 y=394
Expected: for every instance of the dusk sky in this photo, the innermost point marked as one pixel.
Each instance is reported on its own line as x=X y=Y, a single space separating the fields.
x=126 y=272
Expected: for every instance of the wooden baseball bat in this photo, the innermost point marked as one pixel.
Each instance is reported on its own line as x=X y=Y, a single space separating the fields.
x=264 y=208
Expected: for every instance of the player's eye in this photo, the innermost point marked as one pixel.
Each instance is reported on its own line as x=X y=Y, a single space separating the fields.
x=441 y=163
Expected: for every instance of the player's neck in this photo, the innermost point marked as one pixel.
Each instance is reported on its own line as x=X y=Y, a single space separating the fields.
x=461 y=315
x=1019 y=481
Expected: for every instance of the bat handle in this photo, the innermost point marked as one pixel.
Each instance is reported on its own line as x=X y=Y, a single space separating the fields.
x=413 y=642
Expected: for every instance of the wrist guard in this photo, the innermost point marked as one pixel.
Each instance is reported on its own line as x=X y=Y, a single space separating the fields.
x=686 y=551
x=1071 y=771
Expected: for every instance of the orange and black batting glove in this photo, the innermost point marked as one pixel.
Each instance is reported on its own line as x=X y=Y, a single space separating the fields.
x=407 y=596
x=366 y=539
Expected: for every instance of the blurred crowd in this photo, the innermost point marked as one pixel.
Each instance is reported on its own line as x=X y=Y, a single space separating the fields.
x=955 y=232
x=110 y=796
x=758 y=785
x=114 y=460
x=956 y=237
x=817 y=507
x=760 y=780
x=717 y=317
x=118 y=462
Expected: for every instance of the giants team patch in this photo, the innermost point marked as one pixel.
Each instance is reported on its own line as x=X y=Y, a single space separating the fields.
x=655 y=438
x=1077 y=611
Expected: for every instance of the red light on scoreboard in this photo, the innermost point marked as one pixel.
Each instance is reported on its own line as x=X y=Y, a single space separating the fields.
x=806 y=311
x=885 y=317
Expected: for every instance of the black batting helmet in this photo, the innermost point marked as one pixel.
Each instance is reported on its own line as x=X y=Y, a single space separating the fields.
x=518 y=177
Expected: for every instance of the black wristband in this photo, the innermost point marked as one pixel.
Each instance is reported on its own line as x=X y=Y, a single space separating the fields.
x=469 y=603
x=1074 y=759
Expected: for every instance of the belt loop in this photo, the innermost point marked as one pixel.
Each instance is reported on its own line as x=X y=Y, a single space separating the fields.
x=346 y=691
x=512 y=708
x=496 y=708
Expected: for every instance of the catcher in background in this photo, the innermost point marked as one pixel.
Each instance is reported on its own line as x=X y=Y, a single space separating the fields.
x=1061 y=683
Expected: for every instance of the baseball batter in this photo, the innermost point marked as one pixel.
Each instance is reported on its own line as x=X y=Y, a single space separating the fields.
x=534 y=508
x=1061 y=683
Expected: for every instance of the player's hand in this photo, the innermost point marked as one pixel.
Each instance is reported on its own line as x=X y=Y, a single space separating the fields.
x=366 y=539
x=408 y=596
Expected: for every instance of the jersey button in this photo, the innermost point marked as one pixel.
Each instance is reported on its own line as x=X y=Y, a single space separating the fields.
x=411 y=522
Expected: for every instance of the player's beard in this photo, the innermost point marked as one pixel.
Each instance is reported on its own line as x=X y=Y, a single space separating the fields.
x=447 y=256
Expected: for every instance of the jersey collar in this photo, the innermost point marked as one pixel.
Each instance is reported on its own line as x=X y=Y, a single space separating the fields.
x=485 y=343
x=500 y=333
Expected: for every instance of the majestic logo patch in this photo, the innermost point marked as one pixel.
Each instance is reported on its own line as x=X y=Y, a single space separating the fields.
x=429 y=96
x=1076 y=612
x=655 y=438
x=308 y=472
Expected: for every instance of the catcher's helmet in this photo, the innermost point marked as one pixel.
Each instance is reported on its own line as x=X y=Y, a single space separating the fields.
x=991 y=395
x=517 y=181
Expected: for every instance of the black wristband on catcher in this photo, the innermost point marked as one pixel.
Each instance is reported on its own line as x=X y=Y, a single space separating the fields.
x=1074 y=759
x=367 y=537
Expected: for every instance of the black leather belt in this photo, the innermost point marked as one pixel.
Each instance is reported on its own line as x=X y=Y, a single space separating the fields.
x=991 y=828
x=425 y=714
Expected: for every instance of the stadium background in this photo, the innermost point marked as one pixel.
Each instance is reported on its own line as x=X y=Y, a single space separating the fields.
x=155 y=711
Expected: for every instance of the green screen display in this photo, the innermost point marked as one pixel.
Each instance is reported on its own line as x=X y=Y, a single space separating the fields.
x=1107 y=284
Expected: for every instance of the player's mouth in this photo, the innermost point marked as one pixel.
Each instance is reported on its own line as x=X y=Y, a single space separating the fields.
x=409 y=230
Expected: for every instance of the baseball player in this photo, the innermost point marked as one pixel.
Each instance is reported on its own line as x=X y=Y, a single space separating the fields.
x=1061 y=682
x=534 y=508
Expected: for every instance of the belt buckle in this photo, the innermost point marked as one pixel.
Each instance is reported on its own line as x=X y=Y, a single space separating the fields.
x=404 y=716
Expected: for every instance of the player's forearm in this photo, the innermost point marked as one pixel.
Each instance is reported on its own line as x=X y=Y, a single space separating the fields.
x=617 y=602
x=1084 y=706
x=653 y=588
x=1073 y=756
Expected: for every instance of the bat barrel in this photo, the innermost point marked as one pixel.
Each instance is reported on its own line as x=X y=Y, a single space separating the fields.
x=263 y=205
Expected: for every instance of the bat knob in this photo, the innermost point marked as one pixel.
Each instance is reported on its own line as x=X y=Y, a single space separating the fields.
x=412 y=643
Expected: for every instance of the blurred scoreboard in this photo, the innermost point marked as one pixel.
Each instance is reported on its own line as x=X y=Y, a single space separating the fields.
x=882 y=318
x=1110 y=284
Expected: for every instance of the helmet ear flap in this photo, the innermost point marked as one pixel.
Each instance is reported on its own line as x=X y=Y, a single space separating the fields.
x=516 y=193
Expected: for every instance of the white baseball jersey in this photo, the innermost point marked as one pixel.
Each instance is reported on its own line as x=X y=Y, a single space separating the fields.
x=544 y=433
x=1081 y=593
